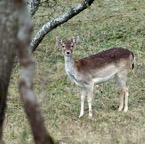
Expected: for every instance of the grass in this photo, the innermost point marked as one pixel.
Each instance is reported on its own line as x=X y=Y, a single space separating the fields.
x=104 y=25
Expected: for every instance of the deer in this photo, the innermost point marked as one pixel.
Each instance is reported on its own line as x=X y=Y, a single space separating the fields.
x=98 y=68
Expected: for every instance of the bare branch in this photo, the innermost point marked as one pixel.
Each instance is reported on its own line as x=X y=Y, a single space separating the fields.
x=58 y=21
x=33 y=6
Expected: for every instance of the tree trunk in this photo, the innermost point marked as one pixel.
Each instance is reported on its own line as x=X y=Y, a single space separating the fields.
x=32 y=109
x=8 y=34
x=15 y=31
x=31 y=106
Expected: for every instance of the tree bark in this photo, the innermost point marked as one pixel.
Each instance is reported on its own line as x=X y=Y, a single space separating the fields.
x=33 y=6
x=40 y=134
x=15 y=31
x=46 y=28
x=8 y=34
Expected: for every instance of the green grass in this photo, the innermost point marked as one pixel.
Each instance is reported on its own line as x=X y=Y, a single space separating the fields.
x=104 y=25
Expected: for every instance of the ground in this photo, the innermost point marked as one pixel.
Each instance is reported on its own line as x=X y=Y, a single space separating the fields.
x=104 y=25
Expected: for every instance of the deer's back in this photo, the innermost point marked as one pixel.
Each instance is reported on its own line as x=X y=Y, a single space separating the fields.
x=103 y=58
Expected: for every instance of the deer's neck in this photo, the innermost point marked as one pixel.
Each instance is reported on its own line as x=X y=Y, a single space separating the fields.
x=69 y=65
x=70 y=69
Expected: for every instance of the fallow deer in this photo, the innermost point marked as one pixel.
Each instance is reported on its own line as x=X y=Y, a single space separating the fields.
x=98 y=68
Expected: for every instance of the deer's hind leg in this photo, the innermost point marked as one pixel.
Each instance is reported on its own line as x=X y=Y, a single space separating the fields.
x=122 y=81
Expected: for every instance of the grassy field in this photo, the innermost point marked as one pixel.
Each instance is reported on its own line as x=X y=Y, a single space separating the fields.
x=106 y=24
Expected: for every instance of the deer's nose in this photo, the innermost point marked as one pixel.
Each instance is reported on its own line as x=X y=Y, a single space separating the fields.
x=67 y=52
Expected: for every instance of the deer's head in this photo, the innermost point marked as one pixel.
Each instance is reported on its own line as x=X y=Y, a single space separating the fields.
x=67 y=45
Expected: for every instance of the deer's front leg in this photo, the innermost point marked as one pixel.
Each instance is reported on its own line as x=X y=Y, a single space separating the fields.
x=90 y=97
x=83 y=95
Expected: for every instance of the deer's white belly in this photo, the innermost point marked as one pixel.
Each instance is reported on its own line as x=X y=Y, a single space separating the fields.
x=105 y=74
x=102 y=79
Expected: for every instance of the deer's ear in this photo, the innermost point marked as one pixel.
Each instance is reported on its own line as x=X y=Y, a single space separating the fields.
x=58 y=41
x=76 y=40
